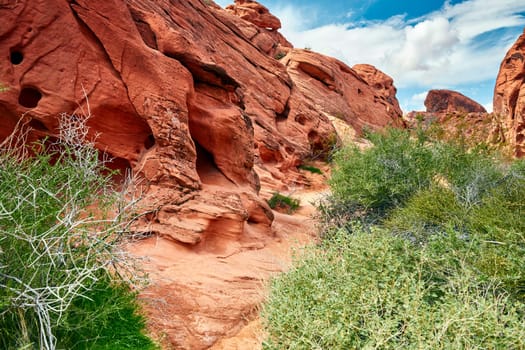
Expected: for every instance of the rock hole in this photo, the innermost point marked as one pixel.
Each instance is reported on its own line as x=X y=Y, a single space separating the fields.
x=301 y=119
x=149 y=142
x=16 y=57
x=29 y=97
x=120 y=167
x=38 y=125
x=207 y=170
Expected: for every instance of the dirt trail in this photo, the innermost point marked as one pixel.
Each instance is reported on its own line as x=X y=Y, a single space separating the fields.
x=203 y=300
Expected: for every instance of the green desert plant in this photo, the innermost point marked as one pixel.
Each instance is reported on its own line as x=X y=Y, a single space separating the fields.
x=59 y=249
x=385 y=175
x=279 y=55
x=310 y=168
x=282 y=202
x=370 y=290
x=439 y=267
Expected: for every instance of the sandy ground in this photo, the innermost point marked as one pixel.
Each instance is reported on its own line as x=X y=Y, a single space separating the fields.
x=203 y=300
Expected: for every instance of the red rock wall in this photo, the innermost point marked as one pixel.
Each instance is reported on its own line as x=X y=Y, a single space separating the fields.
x=182 y=93
x=509 y=95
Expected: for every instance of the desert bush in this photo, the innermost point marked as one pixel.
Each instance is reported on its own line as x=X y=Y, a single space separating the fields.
x=281 y=202
x=370 y=290
x=383 y=176
x=423 y=248
x=58 y=244
x=310 y=168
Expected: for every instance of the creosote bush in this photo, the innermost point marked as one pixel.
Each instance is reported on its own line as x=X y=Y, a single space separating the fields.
x=59 y=256
x=423 y=248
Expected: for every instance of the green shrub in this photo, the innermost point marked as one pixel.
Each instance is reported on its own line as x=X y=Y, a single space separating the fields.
x=55 y=255
x=435 y=261
x=375 y=290
x=310 y=168
x=279 y=55
x=282 y=202
x=385 y=175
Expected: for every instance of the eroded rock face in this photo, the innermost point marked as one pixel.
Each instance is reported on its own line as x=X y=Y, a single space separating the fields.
x=448 y=101
x=381 y=82
x=334 y=89
x=255 y=13
x=259 y=26
x=190 y=97
x=509 y=95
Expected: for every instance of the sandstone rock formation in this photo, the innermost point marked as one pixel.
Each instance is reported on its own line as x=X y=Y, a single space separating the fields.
x=260 y=27
x=509 y=95
x=255 y=13
x=459 y=117
x=448 y=101
x=189 y=97
x=382 y=83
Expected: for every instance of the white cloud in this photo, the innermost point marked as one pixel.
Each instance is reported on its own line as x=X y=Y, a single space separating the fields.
x=439 y=50
x=418 y=101
x=488 y=107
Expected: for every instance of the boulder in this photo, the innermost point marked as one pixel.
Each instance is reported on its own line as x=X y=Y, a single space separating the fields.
x=259 y=26
x=448 y=101
x=509 y=95
x=255 y=13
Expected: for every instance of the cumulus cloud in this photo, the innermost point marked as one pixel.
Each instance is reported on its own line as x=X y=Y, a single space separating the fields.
x=443 y=49
x=418 y=100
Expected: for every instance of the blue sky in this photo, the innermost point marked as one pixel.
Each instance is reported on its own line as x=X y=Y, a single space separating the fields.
x=422 y=44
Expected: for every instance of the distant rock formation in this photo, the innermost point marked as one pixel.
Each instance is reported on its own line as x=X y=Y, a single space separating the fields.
x=190 y=97
x=459 y=118
x=509 y=95
x=448 y=101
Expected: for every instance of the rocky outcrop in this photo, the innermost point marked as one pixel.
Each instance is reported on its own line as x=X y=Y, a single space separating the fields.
x=259 y=26
x=448 y=101
x=381 y=82
x=190 y=98
x=255 y=13
x=509 y=95
x=328 y=85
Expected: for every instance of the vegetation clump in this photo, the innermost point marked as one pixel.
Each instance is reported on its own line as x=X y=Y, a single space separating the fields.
x=59 y=256
x=310 y=168
x=279 y=201
x=423 y=248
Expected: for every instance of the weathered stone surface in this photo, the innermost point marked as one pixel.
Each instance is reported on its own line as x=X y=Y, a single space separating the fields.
x=448 y=101
x=509 y=95
x=331 y=88
x=255 y=13
x=259 y=26
x=381 y=82
x=191 y=99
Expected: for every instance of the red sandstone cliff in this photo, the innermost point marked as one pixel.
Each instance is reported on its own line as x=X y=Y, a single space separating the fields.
x=190 y=97
x=509 y=95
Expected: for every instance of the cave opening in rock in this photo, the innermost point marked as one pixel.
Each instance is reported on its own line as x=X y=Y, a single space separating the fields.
x=29 y=97
x=119 y=168
x=149 y=142
x=16 y=57
x=207 y=169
